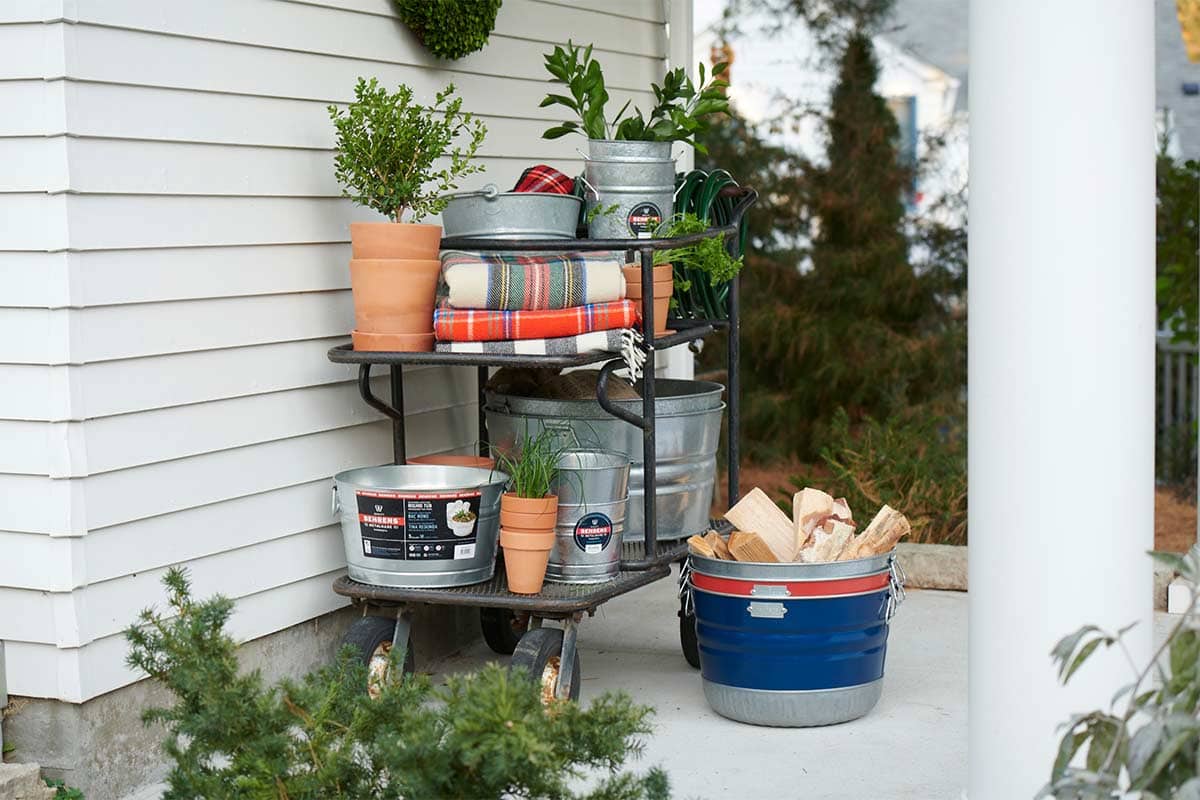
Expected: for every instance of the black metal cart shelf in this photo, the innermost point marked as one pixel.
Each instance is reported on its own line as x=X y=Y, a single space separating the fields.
x=643 y=562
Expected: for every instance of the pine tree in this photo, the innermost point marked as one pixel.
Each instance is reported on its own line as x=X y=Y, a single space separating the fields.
x=485 y=736
x=862 y=329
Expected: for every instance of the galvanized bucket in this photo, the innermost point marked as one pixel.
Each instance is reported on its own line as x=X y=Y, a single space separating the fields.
x=793 y=645
x=633 y=185
x=593 y=492
x=688 y=428
x=493 y=214
x=419 y=526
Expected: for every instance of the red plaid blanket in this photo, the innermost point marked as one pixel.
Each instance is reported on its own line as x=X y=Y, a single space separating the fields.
x=541 y=178
x=471 y=325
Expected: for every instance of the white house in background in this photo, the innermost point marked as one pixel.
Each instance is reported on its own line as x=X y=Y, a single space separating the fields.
x=772 y=74
x=173 y=268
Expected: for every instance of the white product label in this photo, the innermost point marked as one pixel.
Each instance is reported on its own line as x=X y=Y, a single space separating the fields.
x=464 y=551
x=593 y=549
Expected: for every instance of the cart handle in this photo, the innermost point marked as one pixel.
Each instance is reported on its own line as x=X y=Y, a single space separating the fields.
x=602 y=396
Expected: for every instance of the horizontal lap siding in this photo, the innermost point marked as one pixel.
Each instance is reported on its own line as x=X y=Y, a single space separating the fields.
x=173 y=255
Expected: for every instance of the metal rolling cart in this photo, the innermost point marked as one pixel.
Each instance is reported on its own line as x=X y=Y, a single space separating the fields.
x=512 y=623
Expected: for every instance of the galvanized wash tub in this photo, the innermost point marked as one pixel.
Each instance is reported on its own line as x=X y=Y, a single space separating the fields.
x=419 y=526
x=593 y=492
x=636 y=177
x=688 y=429
x=793 y=645
x=493 y=214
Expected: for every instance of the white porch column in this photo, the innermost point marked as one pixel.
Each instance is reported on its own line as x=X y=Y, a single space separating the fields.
x=1061 y=374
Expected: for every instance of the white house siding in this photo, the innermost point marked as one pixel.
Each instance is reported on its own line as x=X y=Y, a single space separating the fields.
x=172 y=270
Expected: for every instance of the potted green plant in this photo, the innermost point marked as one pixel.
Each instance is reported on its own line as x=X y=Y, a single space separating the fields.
x=631 y=149
x=529 y=510
x=705 y=262
x=389 y=151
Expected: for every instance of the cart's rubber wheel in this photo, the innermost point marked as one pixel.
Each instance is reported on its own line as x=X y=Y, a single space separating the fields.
x=371 y=638
x=502 y=629
x=687 y=636
x=538 y=654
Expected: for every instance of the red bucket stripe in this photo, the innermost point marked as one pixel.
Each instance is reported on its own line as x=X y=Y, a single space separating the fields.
x=744 y=588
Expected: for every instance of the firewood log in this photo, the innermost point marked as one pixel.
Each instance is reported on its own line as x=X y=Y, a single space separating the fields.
x=718 y=545
x=756 y=512
x=887 y=528
x=700 y=547
x=747 y=546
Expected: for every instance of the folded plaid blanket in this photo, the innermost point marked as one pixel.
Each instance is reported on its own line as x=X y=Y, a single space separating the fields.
x=595 y=341
x=467 y=325
x=527 y=282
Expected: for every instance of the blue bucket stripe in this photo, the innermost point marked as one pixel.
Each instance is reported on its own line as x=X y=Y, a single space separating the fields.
x=819 y=643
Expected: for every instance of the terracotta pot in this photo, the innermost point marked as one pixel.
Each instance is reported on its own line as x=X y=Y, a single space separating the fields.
x=664 y=287
x=394 y=240
x=394 y=295
x=525 y=558
x=529 y=514
x=392 y=342
x=633 y=273
x=479 y=462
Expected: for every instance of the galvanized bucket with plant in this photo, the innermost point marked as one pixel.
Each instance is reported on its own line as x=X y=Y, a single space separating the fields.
x=389 y=158
x=629 y=155
x=529 y=509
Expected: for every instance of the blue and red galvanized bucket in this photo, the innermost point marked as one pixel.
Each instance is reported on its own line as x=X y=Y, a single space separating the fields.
x=793 y=644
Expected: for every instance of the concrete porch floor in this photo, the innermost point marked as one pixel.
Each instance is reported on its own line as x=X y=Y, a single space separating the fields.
x=912 y=745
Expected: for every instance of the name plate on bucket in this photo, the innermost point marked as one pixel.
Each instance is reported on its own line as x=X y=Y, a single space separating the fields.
x=767 y=610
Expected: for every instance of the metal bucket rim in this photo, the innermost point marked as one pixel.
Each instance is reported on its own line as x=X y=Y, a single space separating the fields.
x=619 y=460
x=881 y=590
x=872 y=565
x=472 y=477
x=551 y=197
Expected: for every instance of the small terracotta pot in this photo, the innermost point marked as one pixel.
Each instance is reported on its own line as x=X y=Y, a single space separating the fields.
x=394 y=240
x=525 y=558
x=392 y=342
x=531 y=514
x=664 y=287
x=479 y=462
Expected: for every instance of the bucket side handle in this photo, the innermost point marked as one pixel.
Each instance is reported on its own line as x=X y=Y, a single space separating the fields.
x=334 y=506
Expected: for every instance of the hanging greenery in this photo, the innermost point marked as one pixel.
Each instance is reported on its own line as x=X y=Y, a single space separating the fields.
x=450 y=29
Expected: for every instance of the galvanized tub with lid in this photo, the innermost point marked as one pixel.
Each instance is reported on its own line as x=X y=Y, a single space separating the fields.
x=638 y=178
x=490 y=213
x=419 y=526
x=793 y=645
x=688 y=429
x=593 y=492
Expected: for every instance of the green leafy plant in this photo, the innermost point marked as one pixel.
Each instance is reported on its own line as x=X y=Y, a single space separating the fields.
x=916 y=461
x=532 y=465
x=1147 y=741
x=487 y=736
x=681 y=110
x=709 y=257
x=388 y=146
x=450 y=29
x=62 y=791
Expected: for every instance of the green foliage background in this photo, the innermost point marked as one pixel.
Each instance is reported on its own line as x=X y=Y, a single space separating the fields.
x=856 y=363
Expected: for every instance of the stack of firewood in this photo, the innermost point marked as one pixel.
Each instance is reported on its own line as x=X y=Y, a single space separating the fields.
x=821 y=529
